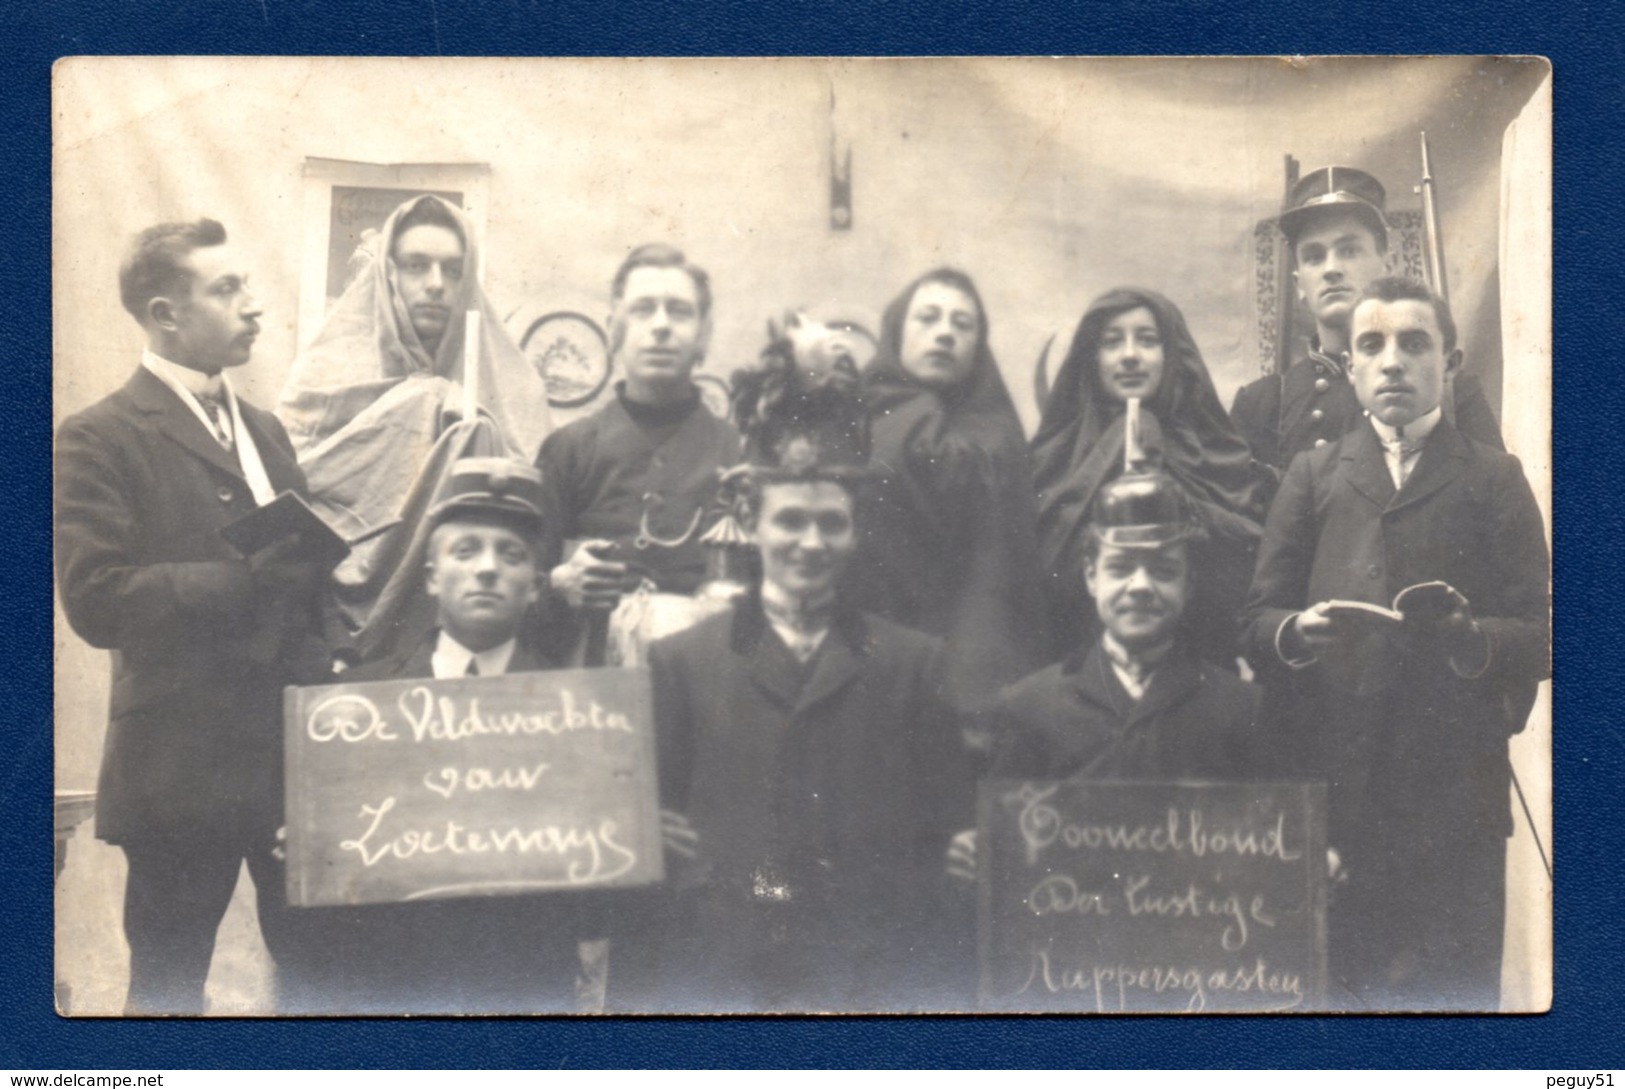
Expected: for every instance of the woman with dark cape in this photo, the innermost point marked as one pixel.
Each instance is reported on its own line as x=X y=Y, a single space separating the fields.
x=1184 y=431
x=948 y=542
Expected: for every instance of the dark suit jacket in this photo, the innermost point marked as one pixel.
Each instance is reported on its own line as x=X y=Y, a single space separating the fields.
x=1415 y=755
x=1075 y=720
x=823 y=801
x=200 y=652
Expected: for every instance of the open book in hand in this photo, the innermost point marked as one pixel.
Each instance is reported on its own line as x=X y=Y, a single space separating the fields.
x=1423 y=601
x=286 y=516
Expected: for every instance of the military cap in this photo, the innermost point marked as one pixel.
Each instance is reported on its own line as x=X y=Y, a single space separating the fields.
x=1336 y=188
x=492 y=487
x=1143 y=510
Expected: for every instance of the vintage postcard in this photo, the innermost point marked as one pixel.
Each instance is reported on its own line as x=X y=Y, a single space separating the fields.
x=807 y=535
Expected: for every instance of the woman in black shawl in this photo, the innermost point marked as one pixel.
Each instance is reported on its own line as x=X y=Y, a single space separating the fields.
x=1133 y=342
x=948 y=542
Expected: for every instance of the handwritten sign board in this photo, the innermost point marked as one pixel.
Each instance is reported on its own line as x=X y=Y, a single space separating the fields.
x=414 y=789
x=1152 y=897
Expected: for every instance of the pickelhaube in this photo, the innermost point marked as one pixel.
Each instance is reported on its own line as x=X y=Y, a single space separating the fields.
x=1339 y=188
x=1143 y=510
x=490 y=486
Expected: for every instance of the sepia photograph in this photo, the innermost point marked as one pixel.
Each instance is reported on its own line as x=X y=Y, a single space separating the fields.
x=815 y=536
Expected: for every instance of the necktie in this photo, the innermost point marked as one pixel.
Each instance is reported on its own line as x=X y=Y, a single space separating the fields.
x=473 y=669
x=216 y=412
x=1404 y=452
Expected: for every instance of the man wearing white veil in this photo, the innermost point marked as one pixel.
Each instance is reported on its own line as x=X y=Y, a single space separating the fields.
x=374 y=407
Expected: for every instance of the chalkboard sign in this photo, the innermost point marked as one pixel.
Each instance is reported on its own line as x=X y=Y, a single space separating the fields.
x=1152 y=897
x=415 y=789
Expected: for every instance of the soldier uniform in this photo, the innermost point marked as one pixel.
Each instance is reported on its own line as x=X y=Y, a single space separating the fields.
x=1312 y=403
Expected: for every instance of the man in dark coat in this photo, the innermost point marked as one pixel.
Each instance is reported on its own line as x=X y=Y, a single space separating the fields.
x=492 y=954
x=643 y=469
x=1408 y=721
x=1339 y=240
x=203 y=640
x=808 y=746
x=1135 y=703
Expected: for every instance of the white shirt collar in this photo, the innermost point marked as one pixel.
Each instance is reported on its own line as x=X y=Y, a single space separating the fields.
x=193 y=382
x=801 y=622
x=1415 y=431
x=812 y=612
x=188 y=385
x=1133 y=670
x=451 y=658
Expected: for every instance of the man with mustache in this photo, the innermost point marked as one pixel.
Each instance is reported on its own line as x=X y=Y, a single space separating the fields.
x=1135 y=703
x=1338 y=236
x=1407 y=721
x=203 y=640
x=649 y=459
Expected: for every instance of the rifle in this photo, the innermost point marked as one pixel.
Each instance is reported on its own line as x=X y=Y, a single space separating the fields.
x=1432 y=235
x=1286 y=300
x=1433 y=260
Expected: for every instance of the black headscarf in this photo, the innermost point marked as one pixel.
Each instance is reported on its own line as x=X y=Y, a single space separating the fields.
x=949 y=543
x=1079 y=446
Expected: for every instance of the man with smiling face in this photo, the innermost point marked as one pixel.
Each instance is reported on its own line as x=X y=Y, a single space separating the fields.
x=643 y=469
x=203 y=640
x=1339 y=242
x=1135 y=703
x=1408 y=722
x=807 y=743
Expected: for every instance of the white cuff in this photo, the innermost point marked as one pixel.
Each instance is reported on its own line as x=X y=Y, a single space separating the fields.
x=1280 y=652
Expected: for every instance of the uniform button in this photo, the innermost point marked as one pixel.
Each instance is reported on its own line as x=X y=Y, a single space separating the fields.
x=225 y=494
x=1319 y=443
x=1321 y=385
x=1374 y=572
x=1317 y=415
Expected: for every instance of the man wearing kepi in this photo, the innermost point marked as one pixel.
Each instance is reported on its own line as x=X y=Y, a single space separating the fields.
x=203 y=640
x=807 y=744
x=496 y=954
x=1408 y=719
x=1136 y=703
x=643 y=469
x=1339 y=240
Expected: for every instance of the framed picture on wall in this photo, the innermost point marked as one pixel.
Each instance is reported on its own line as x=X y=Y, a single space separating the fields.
x=345 y=205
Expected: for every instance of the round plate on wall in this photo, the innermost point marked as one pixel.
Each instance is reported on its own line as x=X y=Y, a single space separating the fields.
x=571 y=353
